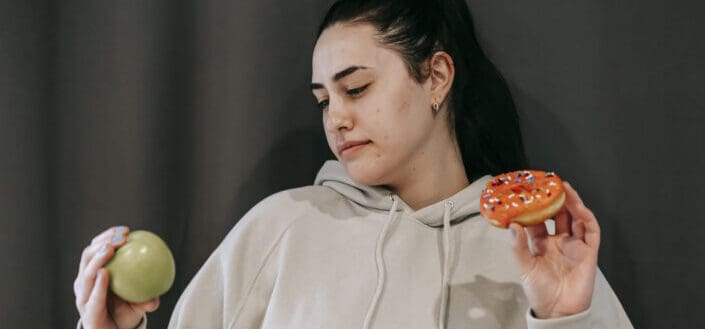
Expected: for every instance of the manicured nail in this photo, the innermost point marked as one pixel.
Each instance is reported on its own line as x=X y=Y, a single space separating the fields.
x=103 y=249
x=117 y=239
x=120 y=230
x=514 y=234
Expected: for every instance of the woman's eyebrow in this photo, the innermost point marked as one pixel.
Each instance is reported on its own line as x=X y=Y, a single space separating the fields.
x=342 y=74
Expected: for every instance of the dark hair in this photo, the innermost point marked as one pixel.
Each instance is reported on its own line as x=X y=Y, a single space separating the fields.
x=481 y=110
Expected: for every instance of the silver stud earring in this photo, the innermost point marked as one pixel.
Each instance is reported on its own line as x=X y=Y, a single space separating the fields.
x=435 y=106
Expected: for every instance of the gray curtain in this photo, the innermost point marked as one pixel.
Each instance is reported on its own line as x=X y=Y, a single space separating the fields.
x=178 y=116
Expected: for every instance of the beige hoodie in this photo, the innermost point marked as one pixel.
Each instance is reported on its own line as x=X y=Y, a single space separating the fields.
x=342 y=255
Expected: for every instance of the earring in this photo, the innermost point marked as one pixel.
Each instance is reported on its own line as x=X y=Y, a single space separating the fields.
x=435 y=106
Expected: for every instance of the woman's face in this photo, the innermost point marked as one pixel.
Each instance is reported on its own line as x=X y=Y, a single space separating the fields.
x=366 y=94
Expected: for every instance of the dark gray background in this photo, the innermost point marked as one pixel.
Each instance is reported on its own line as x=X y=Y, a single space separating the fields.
x=178 y=116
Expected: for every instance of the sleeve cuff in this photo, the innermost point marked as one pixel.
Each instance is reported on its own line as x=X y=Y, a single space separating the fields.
x=576 y=321
x=142 y=325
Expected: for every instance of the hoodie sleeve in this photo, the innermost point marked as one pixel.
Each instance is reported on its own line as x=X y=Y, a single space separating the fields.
x=605 y=312
x=232 y=288
x=142 y=325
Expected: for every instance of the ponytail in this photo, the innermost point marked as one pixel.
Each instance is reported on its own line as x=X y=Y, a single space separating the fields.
x=482 y=114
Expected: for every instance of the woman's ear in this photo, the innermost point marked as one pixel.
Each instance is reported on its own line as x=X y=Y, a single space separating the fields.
x=441 y=74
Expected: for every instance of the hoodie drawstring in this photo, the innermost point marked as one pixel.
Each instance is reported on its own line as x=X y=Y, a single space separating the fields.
x=446 y=264
x=380 y=264
x=381 y=270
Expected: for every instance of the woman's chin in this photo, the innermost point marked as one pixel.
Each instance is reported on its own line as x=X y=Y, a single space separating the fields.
x=363 y=174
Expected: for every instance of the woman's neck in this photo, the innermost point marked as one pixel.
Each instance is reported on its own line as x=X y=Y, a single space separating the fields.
x=432 y=179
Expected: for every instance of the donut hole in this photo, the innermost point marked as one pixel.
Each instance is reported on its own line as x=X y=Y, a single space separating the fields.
x=550 y=226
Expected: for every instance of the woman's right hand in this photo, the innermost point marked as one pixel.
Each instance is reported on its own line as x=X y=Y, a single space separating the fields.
x=100 y=308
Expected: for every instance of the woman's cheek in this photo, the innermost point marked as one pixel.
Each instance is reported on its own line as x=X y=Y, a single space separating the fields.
x=405 y=106
x=331 y=144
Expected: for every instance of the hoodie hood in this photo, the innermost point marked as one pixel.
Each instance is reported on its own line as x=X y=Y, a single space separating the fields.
x=466 y=203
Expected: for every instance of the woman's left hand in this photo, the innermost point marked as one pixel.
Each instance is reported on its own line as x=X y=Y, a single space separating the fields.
x=559 y=275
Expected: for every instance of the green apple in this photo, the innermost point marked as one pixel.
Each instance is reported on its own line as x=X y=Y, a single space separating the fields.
x=142 y=268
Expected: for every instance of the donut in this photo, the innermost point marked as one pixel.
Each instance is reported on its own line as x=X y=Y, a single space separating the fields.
x=527 y=197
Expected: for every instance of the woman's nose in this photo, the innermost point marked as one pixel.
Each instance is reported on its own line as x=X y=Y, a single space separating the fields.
x=339 y=117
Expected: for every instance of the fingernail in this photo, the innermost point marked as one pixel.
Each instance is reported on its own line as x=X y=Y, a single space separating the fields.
x=117 y=239
x=103 y=249
x=120 y=230
x=514 y=234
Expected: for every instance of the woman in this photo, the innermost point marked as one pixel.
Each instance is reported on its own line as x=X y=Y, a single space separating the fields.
x=390 y=235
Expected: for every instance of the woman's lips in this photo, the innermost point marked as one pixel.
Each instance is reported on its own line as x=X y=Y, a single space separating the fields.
x=351 y=150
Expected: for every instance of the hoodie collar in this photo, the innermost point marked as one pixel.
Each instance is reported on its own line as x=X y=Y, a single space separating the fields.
x=466 y=202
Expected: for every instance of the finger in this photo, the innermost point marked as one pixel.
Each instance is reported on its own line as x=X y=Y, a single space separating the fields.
x=80 y=283
x=108 y=235
x=572 y=200
x=90 y=252
x=90 y=273
x=115 y=230
x=148 y=306
x=85 y=278
x=520 y=246
x=579 y=230
x=563 y=222
x=537 y=231
x=97 y=302
x=592 y=233
x=581 y=213
x=538 y=235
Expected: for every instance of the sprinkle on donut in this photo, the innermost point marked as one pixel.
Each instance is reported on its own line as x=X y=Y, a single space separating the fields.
x=527 y=197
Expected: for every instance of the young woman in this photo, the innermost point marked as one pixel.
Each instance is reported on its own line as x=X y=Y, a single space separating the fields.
x=390 y=235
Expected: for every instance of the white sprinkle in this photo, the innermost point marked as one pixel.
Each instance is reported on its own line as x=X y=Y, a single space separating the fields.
x=515 y=204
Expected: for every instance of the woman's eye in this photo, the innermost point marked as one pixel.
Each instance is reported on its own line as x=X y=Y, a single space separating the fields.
x=357 y=91
x=322 y=105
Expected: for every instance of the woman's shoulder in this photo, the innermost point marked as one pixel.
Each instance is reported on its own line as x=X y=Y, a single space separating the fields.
x=307 y=204
x=278 y=212
x=289 y=204
x=297 y=198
